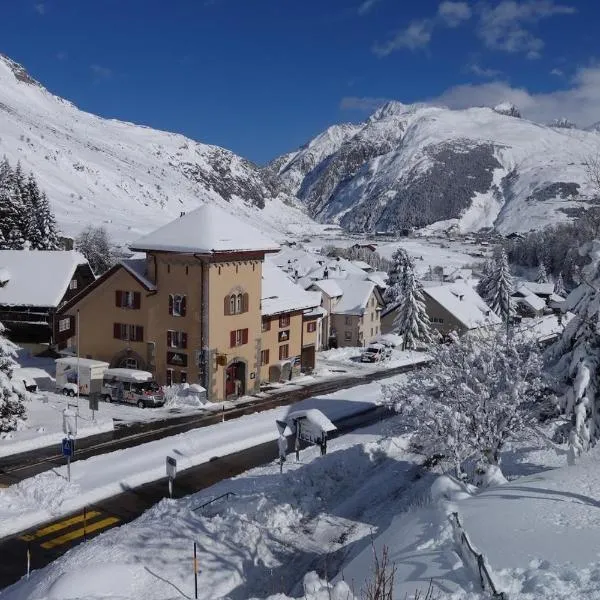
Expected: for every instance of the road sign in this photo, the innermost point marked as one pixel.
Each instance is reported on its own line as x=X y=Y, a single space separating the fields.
x=68 y=447
x=171 y=467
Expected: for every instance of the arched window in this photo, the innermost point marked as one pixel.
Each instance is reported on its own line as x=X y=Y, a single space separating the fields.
x=232 y=304
x=238 y=303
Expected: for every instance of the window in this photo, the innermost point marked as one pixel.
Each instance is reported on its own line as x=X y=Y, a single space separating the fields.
x=348 y=320
x=177 y=359
x=169 y=376
x=238 y=337
x=127 y=299
x=264 y=357
x=348 y=336
x=372 y=316
x=437 y=320
x=236 y=303
x=176 y=339
x=73 y=284
x=284 y=351
x=284 y=321
x=177 y=305
x=376 y=329
x=371 y=332
x=64 y=324
x=183 y=374
x=130 y=363
x=266 y=325
x=128 y=333
x=311 y=327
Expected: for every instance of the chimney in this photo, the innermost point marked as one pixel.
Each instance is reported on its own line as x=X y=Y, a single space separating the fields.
x=182 y=213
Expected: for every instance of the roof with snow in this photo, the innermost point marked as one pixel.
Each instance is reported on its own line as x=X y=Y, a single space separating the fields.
x=464 y=303
x=279 y=294
x=534 y=302
x=137 y=268
x=361 y=264
x=37 y=277
x=329 y=287
x=356 y=294
x=541 y=289
x=206 y=230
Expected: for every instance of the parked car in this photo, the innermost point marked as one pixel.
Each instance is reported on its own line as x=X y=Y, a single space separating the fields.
x=132 y=387
x=375 y=353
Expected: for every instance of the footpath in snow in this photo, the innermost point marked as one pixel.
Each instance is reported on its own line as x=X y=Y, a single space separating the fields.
x=49 y=494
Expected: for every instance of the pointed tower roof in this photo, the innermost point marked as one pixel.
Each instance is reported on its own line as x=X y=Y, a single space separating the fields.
x=206 y=230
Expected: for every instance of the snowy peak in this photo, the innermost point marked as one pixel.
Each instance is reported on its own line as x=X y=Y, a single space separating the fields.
x=12 y=69
x=414 y=166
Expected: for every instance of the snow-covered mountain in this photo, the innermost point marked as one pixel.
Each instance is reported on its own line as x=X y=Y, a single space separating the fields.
x=420 y=165
x=128 y=177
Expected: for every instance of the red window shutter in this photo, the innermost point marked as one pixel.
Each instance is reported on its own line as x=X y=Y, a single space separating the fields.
x=232 y=339
x=244 y=336
x=226 y=306
x=118 y=298
x=245 y=302
x=183 y=306
x=139 y=333
x=183 y=339
x=137 y=300
x=169 y=338
x=170 y=304
x=117 y=331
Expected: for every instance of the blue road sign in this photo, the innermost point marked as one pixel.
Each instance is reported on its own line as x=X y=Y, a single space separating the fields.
x=68 y=447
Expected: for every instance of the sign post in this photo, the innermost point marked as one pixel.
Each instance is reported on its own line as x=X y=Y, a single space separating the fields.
x=195 y=572
x=93 y=399
x=68 y=449
x=171 y=473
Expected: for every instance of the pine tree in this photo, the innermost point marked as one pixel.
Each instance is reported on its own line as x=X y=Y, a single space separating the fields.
x=559 y=286
x=542 y=275
x=44 y=235
x=22 y=206
x=500 y=287
x=486 y=275
x=11 y=396
x=412 y=321
x=396 y=277
x=7 y=217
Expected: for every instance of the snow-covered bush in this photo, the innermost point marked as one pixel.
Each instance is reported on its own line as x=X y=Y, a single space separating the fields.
x=480 y=392
x=11 y=395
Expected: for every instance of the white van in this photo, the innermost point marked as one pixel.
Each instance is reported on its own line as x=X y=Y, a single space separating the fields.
x=132 y=387
x=90 y=375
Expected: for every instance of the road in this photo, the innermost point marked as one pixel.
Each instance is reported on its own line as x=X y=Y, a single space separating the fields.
x=17 y=467
x=52 y=539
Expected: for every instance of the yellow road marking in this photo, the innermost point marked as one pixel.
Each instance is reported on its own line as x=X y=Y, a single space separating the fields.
x=58 y=526
x=73 y=535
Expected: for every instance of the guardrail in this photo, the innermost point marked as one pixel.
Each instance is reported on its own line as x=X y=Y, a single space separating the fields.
x=225 y=495
x=470 y=554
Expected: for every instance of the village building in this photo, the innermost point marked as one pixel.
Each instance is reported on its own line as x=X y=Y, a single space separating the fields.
x=456 y=307
x=34 y=284
x=192 y=310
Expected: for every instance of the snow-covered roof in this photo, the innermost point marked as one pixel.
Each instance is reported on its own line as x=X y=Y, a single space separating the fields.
x=533 y=301
x=129 y=374
x=137 y=267
x=464 y=303
x=206 y=230
x=72 y=361
x=379 y=278
x=37 y=277
x=279 y=294
x=541 y=289
x=313 y=415
x=329 y=286
x=356 y=294
x=361 y=264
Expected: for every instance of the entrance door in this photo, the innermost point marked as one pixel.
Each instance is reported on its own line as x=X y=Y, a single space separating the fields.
x=307 y=361
x=235 y=379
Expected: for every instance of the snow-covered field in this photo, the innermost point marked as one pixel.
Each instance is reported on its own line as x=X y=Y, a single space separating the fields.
x=49 y=494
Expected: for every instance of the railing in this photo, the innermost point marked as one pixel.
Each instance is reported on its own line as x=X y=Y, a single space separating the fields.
x=462 y=540
x=225 y=495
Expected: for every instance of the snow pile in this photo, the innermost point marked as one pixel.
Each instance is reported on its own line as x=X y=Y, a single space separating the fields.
x=185 y=395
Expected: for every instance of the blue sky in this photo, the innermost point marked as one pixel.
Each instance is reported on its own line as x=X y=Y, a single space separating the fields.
x=261 y=77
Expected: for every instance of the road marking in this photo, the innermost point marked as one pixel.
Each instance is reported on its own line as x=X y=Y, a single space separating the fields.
x=73 y=535
x=40 y=533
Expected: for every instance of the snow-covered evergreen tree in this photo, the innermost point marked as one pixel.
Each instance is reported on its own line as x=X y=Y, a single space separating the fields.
x=484 y=281
x=480 y=392
x=559 y=286
x=412 y=321
x=11 y=395
x=542 y=275
x=44 y=235
x=396 y=277
x=500 y=286
x=575 y=357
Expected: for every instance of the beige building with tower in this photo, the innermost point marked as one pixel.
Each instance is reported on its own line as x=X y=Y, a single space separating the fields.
x=192 y=309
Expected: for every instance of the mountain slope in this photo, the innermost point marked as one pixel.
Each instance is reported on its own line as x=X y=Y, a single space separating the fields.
x=128 y=178
x=413 y=166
